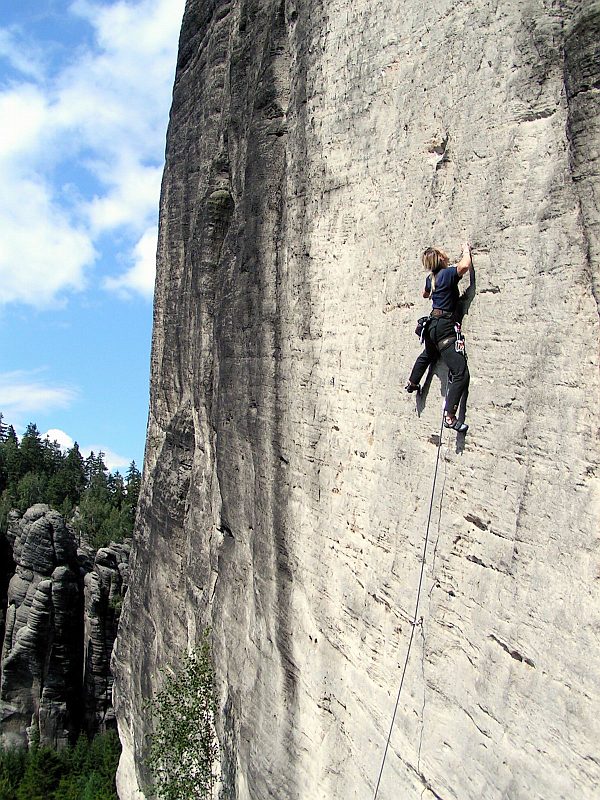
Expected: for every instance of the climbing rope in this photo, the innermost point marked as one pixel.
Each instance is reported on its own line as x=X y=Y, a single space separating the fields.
x=415 y=621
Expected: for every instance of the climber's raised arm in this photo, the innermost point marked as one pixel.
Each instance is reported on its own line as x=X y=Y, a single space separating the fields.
x=464 y=265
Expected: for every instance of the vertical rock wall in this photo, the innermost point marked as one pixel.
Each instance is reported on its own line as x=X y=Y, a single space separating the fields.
x=105 y=585
x=62 y=610
x=314 y=150
x=40 y=689
x=7 y=569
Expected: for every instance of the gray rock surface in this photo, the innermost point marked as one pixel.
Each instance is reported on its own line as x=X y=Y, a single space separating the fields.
x=313 y=151
x=104 y=588
x=7 y=569
x=40 y=687
x=63 y=610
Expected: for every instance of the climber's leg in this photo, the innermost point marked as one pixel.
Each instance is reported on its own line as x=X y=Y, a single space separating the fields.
x=458 y=378
x=428 y=356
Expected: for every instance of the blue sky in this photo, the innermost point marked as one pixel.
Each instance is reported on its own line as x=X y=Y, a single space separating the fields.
x=85 y=91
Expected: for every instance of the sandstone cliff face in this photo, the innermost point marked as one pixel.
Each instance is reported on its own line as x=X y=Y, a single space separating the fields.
x=41 y=663
x=314 y=150
x=7 y=569
x=55 y=668
x=104 y=588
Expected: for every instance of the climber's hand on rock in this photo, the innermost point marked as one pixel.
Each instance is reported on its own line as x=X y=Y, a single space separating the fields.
x=465 y=262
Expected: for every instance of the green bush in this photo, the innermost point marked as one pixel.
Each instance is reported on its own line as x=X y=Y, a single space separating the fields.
x=183 y=750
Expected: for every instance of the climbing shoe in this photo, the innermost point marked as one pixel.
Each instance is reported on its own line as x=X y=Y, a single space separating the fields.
x=456 y=425
x=412 y=387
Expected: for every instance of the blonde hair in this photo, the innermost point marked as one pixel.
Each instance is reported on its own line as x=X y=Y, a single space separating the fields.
x=434 y=259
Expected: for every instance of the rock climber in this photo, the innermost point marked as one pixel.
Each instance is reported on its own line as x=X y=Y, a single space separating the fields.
x=441 y=338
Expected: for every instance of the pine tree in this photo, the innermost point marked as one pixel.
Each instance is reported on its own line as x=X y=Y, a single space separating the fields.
x=96 y=472
x=13 y=458
x=66 y=486
x=84 y=772
x=42 y=775
x=116 y=489
x=32 y=451
x=10 y=474
x=3 y=428
x=12 y=769
x=3 y=471
x=75 y=468
x=133 y=484
x=53 y=456
x=95 y=509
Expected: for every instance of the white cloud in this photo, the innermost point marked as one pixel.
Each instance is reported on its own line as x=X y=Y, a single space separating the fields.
x=56 y=435
x=42 y=253
x=111 y=459
x=156 y=23
x=11 y=49
x=132 y=198
x=21 y=393
x=140 y=278
x=102 y=116
x=25 y=106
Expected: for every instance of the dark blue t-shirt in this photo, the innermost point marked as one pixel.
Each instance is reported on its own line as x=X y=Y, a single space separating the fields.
x=446 y=294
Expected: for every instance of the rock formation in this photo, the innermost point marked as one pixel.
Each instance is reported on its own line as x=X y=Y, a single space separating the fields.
x=314 y=150
x=55 y=676
x=7 y=569
x=41 y=663
x=105 y=585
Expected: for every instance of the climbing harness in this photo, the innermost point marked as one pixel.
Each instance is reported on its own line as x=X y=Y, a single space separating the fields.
x=415 y=620
x=457 y=339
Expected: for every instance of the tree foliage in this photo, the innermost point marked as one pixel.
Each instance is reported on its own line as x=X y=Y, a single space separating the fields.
x=84 y=772
x=100 y=504
x=183 y=750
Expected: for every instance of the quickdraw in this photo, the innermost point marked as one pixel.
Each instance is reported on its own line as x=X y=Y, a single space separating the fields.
x=459 y=344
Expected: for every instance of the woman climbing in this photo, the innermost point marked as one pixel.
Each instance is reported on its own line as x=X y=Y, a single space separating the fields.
x=440 y=335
